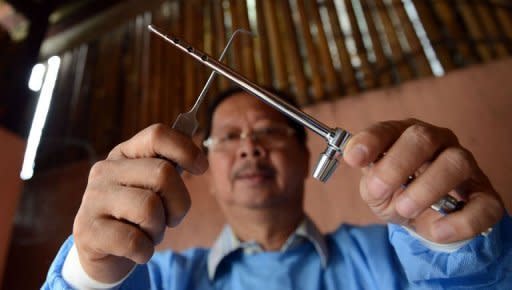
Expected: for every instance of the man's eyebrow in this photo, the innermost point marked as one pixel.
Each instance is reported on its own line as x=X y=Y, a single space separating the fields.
x=225 y=127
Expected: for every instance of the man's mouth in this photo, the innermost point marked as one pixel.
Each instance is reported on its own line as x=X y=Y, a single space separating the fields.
x=255 y=173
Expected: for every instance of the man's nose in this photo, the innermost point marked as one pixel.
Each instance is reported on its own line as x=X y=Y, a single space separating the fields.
x=251 y=148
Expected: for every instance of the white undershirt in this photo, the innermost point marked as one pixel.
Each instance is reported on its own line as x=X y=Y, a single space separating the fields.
x=75 y=275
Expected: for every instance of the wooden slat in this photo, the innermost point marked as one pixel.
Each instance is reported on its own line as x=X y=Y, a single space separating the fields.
x=99 y=122
x=236 y=53
x=366 y=71
x=432 y=27
x=191 y=78
x=274 y=39
x=331 y=78
x=316 y=77
x=156 y=71
x=77 y=89
x=504 y=17
x=491 y=28
x=61 y=102
x=176 y=78
x=247 y=42
x=145 y=76
x=262 y=46
x=208 y=47
x=398 y=53
x=132 y=68
x=198 y=41
x=473 y=26
x=166 y=78
x=81 y=126
x=382 y=62
x=420 y=59
x=347 y=70
x=448 y=15
x=112 y=96
x=213 y=39
x=293 y=58
x=220 y=36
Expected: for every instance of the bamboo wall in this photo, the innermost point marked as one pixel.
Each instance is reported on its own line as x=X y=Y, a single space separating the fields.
x=126 y=79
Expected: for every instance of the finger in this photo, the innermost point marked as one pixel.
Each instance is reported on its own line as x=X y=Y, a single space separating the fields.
x=112 y=237
x=417 y=145
x=157 y=175
x=367 y=145
x=483 y=211
x=383 y=208
x=161 y=141
x=451 y=168
x=138 y=206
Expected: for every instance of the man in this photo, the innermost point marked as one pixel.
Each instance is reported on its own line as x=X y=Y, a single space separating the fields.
x=258 y=161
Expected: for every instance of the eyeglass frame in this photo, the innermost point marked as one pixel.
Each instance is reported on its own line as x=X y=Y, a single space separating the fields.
x=255 y=135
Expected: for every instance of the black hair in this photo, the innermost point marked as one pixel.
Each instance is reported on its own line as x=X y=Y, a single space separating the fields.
x=300 y=132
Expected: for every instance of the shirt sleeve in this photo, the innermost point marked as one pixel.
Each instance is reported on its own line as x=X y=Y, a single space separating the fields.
x=481 y=263
x=138 y=279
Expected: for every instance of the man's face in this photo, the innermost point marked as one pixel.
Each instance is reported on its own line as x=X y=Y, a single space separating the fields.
x=253 y=173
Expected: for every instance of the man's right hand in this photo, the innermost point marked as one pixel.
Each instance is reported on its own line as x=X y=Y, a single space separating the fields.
x=130 y=198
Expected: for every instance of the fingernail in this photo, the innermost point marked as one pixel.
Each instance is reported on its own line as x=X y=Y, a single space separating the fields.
x=378 y=188
x=406 y=207
x=357 y=155
x=201 y=163
x=443 y=232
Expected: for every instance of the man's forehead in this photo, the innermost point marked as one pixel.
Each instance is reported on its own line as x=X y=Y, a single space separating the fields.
x=244 y=105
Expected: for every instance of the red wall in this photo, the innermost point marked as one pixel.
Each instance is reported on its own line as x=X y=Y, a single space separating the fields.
x=11 y=156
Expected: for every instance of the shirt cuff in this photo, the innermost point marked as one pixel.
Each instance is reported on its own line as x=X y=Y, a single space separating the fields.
x=75 y=275
x=443 y=248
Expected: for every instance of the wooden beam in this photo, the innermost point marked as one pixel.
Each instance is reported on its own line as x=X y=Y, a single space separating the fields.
x=312 y=53
x=382 y=61
x=293 y=58
x=262 y=47
x=432 y=25
x=421 y=61
x=368 y=78
x=220 y=37
x=350 y=85
x=99 y=24
x=331 y=78
x=276 y=51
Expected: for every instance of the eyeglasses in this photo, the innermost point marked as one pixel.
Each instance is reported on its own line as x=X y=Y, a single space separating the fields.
x=270 y=137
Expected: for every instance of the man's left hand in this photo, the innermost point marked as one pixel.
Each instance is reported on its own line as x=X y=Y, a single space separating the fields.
x=392 y=151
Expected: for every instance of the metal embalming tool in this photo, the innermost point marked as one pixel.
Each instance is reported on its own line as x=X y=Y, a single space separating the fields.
x=187 y=122
x=336 y=138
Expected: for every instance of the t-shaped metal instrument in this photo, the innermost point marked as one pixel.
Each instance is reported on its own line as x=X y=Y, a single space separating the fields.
x=336 y=138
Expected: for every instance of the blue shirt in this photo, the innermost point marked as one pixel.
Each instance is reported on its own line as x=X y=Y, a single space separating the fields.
x=370 y=257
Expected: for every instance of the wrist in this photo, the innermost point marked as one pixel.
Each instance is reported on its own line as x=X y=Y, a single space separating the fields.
x=74 y=274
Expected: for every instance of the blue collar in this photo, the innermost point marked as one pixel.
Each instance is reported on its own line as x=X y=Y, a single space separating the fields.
x=228 y=243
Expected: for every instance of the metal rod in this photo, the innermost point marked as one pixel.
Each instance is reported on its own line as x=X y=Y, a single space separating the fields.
x=271 y=99
x=212 y=75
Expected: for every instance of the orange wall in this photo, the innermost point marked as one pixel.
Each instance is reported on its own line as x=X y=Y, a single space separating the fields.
x=11 y=156
x=475 y=103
